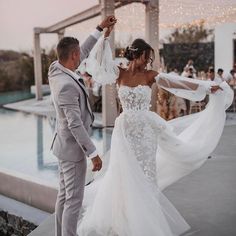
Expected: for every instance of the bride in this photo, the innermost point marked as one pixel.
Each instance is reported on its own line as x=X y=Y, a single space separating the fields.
x=147 y=153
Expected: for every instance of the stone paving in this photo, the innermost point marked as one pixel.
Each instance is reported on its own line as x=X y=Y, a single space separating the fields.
x=206 y=198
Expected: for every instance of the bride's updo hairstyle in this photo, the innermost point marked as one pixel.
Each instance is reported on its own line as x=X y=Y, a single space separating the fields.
x=136 y=50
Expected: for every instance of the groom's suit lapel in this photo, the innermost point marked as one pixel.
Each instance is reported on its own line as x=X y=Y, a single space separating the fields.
x=83 y=88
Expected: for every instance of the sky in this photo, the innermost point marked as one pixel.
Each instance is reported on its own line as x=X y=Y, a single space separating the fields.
x=19 y=17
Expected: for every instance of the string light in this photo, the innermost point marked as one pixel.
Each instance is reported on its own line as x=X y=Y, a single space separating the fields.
x=173 y=14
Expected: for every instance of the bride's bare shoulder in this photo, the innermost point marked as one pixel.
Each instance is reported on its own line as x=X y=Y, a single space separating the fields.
x=151 y=75
x=121 y=73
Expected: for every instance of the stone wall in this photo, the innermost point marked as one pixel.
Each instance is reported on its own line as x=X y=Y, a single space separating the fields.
x=11 y=225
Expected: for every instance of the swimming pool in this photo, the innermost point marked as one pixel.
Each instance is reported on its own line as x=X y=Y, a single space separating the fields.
x=25 y=141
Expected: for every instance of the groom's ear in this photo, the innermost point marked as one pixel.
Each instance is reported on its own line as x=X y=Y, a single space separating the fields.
x=72 y=55
x=75 y=56
x=75 y=53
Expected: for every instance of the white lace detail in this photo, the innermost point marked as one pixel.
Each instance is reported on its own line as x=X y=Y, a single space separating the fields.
x=141 y=136
x=139 y=132
x=135 y=98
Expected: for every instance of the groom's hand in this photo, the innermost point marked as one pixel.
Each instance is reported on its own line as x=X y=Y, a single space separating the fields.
x=108 y=31
x=108 y=21
x=97 y=163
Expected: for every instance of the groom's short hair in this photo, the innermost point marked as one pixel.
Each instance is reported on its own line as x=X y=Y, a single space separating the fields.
x=65 y=46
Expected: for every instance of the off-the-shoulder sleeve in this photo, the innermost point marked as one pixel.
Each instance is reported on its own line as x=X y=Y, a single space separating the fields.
x=191 y=89
x=100 y=63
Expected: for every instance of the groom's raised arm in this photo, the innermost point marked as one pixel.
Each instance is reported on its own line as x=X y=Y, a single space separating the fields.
x=87 y=46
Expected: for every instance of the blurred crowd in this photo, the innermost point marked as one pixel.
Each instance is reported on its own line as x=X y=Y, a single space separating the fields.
x=169 y=106
x=218 y=76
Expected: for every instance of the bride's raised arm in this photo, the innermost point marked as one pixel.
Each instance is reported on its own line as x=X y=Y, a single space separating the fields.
x=192 y=89
x=100 y=63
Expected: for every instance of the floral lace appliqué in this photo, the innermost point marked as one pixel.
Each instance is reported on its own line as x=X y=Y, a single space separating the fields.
x=140 y=133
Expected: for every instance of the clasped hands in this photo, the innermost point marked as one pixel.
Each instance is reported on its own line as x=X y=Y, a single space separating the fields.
x=108 y=23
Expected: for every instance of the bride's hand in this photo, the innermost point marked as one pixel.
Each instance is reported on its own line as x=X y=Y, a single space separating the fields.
x=108 y=31
x=108 y=21
x=215 y=88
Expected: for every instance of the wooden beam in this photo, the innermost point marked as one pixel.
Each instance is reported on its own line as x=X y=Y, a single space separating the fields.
x=83 y=16
x=78 y=18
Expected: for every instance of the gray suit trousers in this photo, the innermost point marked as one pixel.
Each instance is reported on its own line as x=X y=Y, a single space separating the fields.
x=70 y=196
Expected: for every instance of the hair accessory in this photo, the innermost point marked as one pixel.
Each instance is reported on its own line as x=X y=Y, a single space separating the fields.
x=133 y=49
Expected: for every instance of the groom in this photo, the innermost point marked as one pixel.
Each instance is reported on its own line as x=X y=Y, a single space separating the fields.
x=71 y=143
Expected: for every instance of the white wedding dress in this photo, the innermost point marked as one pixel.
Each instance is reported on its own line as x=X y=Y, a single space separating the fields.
x=148 y=154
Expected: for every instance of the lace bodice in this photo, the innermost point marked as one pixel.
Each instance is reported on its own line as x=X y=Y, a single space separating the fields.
x=135 y=98
x=141 y=134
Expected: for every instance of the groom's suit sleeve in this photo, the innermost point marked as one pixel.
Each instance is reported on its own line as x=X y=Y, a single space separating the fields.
x=68 y=101
x=87 y=46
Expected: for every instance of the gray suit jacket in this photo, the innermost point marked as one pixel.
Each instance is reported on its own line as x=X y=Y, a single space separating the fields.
x=73 y=113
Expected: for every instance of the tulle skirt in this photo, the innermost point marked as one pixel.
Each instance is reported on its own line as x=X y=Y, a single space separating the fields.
x=125 y=200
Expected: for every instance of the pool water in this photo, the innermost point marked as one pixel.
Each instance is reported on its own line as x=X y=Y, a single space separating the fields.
x=14 y=96
x=25 y=141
